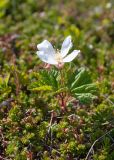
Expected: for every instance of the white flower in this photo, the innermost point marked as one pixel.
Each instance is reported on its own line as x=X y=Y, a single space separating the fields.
x=48 y=54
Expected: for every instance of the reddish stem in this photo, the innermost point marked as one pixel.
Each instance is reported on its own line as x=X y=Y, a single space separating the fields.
x=62 y=101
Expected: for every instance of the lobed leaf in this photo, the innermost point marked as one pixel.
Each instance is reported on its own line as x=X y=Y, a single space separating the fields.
x=82 y=88
x=81 y=78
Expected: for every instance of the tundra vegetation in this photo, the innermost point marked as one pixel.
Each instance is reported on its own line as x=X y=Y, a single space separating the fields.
x=54 y=110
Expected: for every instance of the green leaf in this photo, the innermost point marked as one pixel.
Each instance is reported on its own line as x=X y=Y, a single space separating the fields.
x=85 y=98
x=4 y=81
x=49 y=78
x=81 y=78
x=82 y=88
x=85 y=88
x=47 y=81
x=42 y=88
x=65 y=89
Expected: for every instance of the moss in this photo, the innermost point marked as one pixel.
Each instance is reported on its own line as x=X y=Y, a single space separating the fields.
x=32 y=119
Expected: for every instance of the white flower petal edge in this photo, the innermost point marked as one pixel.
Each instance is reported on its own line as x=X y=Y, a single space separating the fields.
x=71 y=56
x=46 y=47
x=67 y=44
x=46 y=58
x=48 y=54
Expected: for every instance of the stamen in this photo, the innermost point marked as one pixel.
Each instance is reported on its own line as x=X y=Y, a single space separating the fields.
x=58 y=56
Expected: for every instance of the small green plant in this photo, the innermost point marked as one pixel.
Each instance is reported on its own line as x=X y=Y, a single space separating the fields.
x=63 y=83
x=52 y=110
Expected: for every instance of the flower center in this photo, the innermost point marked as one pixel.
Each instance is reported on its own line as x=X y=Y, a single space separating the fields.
x=58 y=57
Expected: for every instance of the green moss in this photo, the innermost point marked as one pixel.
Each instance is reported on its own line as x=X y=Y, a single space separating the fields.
x=29 y=93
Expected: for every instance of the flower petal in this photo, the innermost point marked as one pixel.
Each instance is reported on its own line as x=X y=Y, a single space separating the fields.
x=71 y=56
x=67 y=44
x=46 y=58
x=47 y=47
